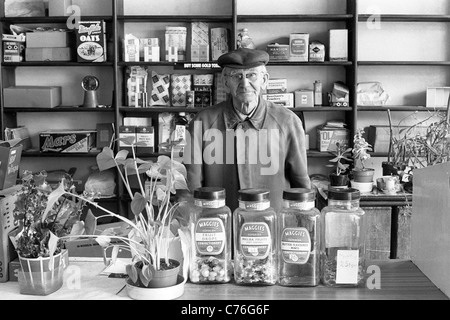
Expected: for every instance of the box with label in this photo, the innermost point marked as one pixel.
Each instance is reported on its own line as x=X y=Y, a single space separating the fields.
x=282 y=99
x=299 y=47
x=48 y=39
x=316 y=51
x=66 y=141
x=199 y=41
x=219 y=42
x=327 y=138
x=278 y=52
x=200 y=53
x=145 y=138
x=437 y=97
x=150 y=49
x=32 y=96
x=13 y=51
x=14 y=268
x=338 y=47
x=304 y=98
x=10 y=155
x=129 y=133
x=276 y=86
x=91 y=41
x=48 y=54
x=131 y=48
x=105 y=135
x=175 y=43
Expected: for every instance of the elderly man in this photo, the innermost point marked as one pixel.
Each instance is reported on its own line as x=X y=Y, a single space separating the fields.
x=246 y=141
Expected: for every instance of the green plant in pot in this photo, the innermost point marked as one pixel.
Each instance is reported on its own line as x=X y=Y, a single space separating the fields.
x=339 y=176
x=42 y=220
x=361 y=174
x=155 y=225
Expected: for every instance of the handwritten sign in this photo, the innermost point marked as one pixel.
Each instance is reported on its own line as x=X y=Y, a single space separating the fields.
x=347 y=266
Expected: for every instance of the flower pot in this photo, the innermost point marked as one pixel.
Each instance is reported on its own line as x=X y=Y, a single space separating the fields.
x=166 y=293
x=42 y=276
x=161 y=278
x=365 y=175
x=341 y=180
x=363 y=187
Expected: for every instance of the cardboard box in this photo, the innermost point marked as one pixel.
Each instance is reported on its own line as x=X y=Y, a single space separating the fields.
x=219 y=42
x=327 y=138
x=10 y=155
x=282 y=99
x=278 y=52
x=126 y=132
x=200 y=53
x=105 y=135
x=276 y=86
x=437 y=97
x=91 y=41
x=299 y=47
x=316 y=51
x=66 y=141
x=145 y=136
x=88 y=247
x=304 y=98
x=338 y=47
x=150 y=49
x=14 y=268
x=58 y=8
x=48 y=54
x=175 y=43
x=131 y=48
x=48 y=39
x=379 y=136
x=32 y=97
x=13 y=51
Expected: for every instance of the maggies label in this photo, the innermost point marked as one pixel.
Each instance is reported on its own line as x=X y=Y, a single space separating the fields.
x=295 y=245
x=209 y=236
x=255 y=240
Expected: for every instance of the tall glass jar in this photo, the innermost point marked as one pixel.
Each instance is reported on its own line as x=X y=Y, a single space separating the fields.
x=299 y=239
x=343 y=239
x=255 y=234
x=210 y=221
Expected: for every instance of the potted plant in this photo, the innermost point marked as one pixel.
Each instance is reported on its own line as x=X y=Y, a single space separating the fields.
x=339 y=176
x=41 y=223
x=154 y=226
x=360 y=156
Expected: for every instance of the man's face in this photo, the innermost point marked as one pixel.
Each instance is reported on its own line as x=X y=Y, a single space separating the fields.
x=245 y=86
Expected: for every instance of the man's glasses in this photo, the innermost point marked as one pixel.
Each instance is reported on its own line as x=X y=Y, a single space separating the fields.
x=237 y=77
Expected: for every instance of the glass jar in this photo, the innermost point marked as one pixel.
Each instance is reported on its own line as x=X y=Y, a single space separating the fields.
x=299 y=239
x=210 y=221
x=343 y=239
x=255 y=234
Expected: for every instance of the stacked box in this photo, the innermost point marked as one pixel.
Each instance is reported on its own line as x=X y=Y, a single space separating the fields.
x=278 y=52
x=131 y=48
x=276 y=86
x=13 y=48
x=199 y=42
x=91 y=41
x=203 y=87
x=145 y=137
x=282 y=99
x=150 y=48
x=32 y=97
x=175 y=43
x=180 y=84
x=219 y=42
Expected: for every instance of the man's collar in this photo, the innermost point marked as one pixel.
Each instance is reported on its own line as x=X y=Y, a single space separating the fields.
x=257 y=119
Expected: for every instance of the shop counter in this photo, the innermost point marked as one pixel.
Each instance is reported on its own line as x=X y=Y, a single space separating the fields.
x=398 y=280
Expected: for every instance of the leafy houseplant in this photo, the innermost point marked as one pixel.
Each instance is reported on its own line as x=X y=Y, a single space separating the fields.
x=339 y=176
x=360 y=156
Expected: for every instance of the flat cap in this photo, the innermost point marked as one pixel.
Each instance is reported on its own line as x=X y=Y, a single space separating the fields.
x=243 y=58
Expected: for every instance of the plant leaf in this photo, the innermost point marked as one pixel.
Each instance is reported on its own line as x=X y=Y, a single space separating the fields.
x=52 y=243
x=132 y=272
x=105 y=159
x=138 y=204
x=130 y=140
x=146 y=275
x=114 y=254
x=77 y=229
x=53 y=198
x=90 y=223
x=103 y=241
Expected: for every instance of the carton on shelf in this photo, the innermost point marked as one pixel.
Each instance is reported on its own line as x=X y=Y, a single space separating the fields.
x=338 y=47
x=91 y=41
x=48 y=39
x=66 y=141
x=32 y=96
x=299 y=47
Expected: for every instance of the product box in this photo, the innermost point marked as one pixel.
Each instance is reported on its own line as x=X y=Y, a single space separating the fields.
x=278 y=52
x=283 y=99
x=105 y=135
x=299 y=47
x=58 y=8
x=304 y=98
x=131 y=48
x=199 y=41
x=437 y=97
x=276 y=86
x=48 y=54
x=66 y=141
x=14 y=268
x=48 y=39
x=124 y=133
x=338 y=47
x=10 y=155
x=175 y=43
x=145 y=138
x=150 y=49
x=219 y=42
x=13 y=51
x=327 y=138
x=91 y=41
x=32 y=97
x=316 y=51
x=200 y=53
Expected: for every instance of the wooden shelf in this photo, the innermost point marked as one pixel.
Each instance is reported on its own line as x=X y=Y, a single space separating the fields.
x=159 y=109
x=39 y=154
x=403 y=63
x=56 y=64
x=58 y=109
x=170 y=18
x=294 y=17
x=399 y=108
x=406 y=18
x=310 y=63
x=53 y=20
x=321 y=109
x=317 y=154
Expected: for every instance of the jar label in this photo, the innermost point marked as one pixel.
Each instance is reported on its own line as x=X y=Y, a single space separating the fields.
x=210 y=236
x=254 y=205
x=308 y=205
x=347 y=266
x=295 y=245
x=213 y=204
x=255 y=239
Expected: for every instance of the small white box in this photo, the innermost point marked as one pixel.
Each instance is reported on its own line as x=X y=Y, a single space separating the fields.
x=200 y=53
x=283 y=99
x=437 y=97
x=304 y=98
x=275 y=86
x=131 y=48
x=219 y=42
x=299 y=47
x=338 y=48
x=150 y=49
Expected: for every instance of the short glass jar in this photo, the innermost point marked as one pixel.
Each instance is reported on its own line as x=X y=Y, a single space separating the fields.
x=210 y=221
x=255 y=234
x=343 y=239
x=299 y=239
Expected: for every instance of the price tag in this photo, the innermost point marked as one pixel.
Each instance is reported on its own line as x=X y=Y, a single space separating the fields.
x=347 y=267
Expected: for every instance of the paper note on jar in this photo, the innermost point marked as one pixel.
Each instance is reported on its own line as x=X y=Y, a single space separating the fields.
x=347 y=266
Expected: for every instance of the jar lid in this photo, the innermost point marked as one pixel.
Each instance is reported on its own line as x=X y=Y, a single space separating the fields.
x=344 y=194
x=299 y=194
x=253 y=194
x=209 y=193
